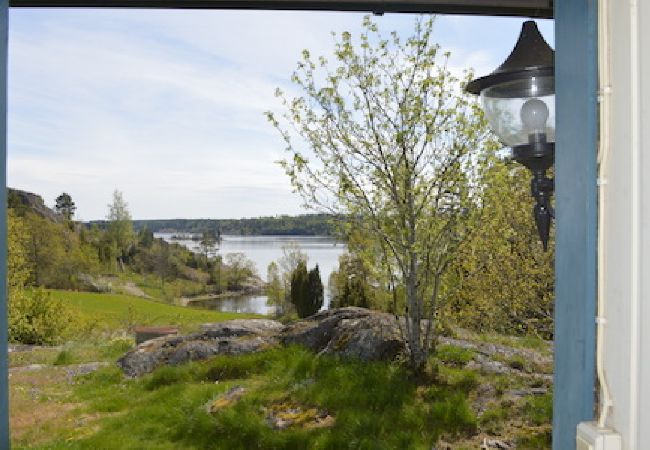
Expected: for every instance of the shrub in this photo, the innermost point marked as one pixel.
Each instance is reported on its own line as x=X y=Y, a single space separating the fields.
x=37 y=318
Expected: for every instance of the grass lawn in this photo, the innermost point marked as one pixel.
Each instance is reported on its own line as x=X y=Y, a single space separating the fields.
x=363 y=405
x=115 y=311
x=371 y=405
x=374 y=406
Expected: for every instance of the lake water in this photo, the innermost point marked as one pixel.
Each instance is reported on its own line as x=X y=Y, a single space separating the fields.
x=263 y=250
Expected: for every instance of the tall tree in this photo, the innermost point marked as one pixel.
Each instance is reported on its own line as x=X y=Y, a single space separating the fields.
x=65 y=206
x=314 y=300
x=386 y=136
x=299 y=292
x=292 y=255
x=274 y=287
x=209 y=241
x=120 y=228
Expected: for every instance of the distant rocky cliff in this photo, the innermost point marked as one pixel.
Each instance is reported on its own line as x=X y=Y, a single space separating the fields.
x=23 y=201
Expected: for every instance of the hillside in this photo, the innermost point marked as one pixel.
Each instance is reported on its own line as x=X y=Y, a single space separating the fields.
x=23 y=201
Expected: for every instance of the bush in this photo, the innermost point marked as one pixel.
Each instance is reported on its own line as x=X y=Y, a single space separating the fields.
x=37 y=318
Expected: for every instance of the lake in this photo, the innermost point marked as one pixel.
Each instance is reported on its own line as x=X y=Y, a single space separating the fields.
x=263 y=250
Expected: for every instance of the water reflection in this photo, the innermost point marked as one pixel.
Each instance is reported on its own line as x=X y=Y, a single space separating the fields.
x=252 y=304
x=262 y=250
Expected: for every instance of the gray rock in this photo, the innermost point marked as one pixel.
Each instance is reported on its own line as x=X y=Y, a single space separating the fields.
x=241 y=327
x=351 y=332
x=231 y=338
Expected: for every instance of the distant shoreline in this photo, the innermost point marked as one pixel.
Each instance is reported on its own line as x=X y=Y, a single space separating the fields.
x=302 y=225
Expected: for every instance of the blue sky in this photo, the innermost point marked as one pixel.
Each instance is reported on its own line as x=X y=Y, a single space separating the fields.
x=167 y=106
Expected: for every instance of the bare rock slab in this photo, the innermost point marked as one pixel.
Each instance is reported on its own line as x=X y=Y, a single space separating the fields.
x=234 y=337
x=351 y=332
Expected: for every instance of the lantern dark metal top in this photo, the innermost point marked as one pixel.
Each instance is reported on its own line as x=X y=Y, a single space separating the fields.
x=531 y=57
x=519 y=102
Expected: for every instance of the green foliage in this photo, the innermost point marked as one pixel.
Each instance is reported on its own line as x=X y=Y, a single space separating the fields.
x=209 y=241
x=302 y=225
x=503 y=279
x=453 y=410
x=493 y=418
x=314 y=292
x=145 y=238
x=225 y=368
x=454 y=355
x=35 y=317
x=237 y=270
x=65 y=206
x=120 y=228
x=538 y=410
x=395 y=149
x=274 y=285
x=64 y=358
x=111 y=310
x=300 y=289
x=375 y=405
x=306 y=290
x=292 y=256
x=349 y=284
x=55 y=253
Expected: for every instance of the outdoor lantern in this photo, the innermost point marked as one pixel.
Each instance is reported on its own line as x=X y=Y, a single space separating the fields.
x=519 y=102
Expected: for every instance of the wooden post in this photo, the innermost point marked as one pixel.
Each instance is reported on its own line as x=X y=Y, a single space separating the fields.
x=576 y=85
x=4 y=336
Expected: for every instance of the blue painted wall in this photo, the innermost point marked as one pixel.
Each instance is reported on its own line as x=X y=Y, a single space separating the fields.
x=576 y=88
x=4 y=386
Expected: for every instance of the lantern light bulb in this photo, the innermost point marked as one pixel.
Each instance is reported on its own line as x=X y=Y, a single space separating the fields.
x=534 y=114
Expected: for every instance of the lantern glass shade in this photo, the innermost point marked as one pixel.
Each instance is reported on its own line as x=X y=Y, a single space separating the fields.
x=521 y=110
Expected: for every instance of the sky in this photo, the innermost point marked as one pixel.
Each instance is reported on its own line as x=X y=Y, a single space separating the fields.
x=167 y=105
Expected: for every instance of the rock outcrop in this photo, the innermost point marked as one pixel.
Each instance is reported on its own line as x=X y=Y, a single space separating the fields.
x=232 y=337
x=350 y=332
x=22 y=201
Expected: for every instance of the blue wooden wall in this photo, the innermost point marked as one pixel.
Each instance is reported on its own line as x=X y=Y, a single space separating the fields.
x=576 y=73
x=4 y=371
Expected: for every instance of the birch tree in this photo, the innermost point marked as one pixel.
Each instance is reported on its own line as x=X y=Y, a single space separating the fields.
x=384 y=135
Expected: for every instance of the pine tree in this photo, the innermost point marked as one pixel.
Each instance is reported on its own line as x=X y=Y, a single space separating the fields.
x=65 y=206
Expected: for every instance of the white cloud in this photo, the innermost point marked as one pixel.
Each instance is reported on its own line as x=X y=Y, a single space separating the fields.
x=167 y=105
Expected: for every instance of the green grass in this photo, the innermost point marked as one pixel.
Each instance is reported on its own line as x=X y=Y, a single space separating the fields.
x=116 y=311
x=454 y=355
x=167 y=292
x=376 y=406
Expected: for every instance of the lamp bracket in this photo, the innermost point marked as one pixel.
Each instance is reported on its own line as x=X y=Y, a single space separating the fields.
x=538 y=156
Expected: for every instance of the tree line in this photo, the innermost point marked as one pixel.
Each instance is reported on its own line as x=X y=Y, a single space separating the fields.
x=49 y=249
x=302 y=225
